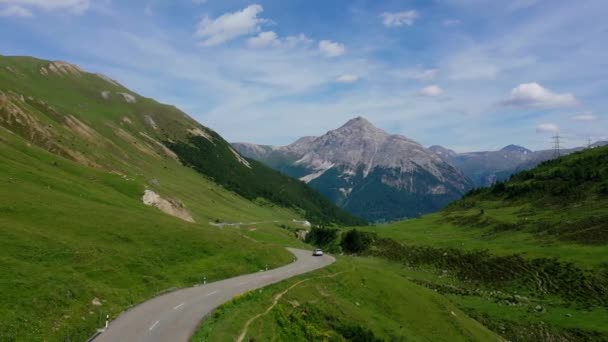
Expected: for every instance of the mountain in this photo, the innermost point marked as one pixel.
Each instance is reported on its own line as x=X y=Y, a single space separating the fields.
x=489 y=167
x=93 y=120
x=102 y=205
x=367 y=171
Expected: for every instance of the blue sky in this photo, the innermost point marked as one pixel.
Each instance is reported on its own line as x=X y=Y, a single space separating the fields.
x=465 y=74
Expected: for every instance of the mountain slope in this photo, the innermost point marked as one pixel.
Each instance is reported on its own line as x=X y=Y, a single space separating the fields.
x=95 y=121
x=486 y=168
x=77 y=153
x=527 y=257
x=367 y=171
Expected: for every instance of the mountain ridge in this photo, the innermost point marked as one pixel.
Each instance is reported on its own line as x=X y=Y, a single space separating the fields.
x=485 y=168
x=352 y=163
x=95 y=121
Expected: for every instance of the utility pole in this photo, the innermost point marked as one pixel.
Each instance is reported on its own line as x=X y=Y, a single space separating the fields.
x=556 y=145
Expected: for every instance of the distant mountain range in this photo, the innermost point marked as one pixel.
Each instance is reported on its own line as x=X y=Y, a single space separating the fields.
x=379 y=176
x=486 y=168
x=368 y=172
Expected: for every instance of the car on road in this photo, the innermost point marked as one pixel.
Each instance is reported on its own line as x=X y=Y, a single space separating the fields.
x=317 y=252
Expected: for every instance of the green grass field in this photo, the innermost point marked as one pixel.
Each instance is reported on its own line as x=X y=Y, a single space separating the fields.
x=354 y=299
x=540 y=236
x=70 y=234
x=439 y=230
x=77 y=152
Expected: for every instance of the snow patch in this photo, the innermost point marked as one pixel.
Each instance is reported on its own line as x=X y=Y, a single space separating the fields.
x=346 y=192
x=170 y=207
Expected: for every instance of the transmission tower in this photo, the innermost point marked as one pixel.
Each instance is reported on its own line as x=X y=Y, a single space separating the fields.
x=556 y=145
x=588 y=142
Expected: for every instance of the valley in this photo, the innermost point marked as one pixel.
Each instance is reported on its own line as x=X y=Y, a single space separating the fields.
x=112 y=202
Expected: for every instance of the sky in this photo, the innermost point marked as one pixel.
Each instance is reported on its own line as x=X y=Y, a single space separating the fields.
x=470 y=75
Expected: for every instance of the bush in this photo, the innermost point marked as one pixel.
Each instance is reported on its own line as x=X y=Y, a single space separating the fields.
x=355 y=241
x=322 y=237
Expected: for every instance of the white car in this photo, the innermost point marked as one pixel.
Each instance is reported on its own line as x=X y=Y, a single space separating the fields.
x=317 y=252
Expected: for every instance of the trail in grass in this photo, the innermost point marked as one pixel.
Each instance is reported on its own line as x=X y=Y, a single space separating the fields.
x=276 y=301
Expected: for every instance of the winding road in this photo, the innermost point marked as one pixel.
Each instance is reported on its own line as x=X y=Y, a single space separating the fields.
x=175 y=316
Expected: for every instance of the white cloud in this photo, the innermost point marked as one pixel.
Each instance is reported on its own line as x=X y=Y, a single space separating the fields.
x=263 y=39
x=15 y=11
x=396 y=19
x=547 y=128
x=331 y=49
x=347 y=78
x=301 y=39
x=451 y=22
x=23 y=7
x=230 y=25
x=535 y=95
x=585 y=116
x=431 y=91
x=269 y=38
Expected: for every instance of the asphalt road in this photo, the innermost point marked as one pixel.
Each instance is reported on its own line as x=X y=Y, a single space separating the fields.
x=175 y=316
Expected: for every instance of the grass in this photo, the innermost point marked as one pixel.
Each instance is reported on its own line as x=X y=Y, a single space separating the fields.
x=553 y=217
x=436 y=230
x=353 y=298
x=70 y=234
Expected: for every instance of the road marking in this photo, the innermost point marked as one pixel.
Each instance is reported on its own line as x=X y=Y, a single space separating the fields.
x=211 y=293
x=153 y=325
x=179 y=306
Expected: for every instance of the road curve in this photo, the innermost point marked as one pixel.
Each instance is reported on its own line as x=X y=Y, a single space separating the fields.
x=175 y=316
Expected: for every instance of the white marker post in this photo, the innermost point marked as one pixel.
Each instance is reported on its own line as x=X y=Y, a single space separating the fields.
x=204 y=280
x=266 y=267
x=107 y=321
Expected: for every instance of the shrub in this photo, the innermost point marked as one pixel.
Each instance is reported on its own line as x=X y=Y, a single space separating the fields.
x=355 y=241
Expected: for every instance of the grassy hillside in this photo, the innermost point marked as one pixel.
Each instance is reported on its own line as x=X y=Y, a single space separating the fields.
x=527 y=257
x=356 y=299
x=77 y=152
x=251 y=179
x=97 y=122
x=70 y=234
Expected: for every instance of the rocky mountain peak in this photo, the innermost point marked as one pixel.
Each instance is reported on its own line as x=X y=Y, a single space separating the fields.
x=360 y=125
x=515 y=148
x=356 y=164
